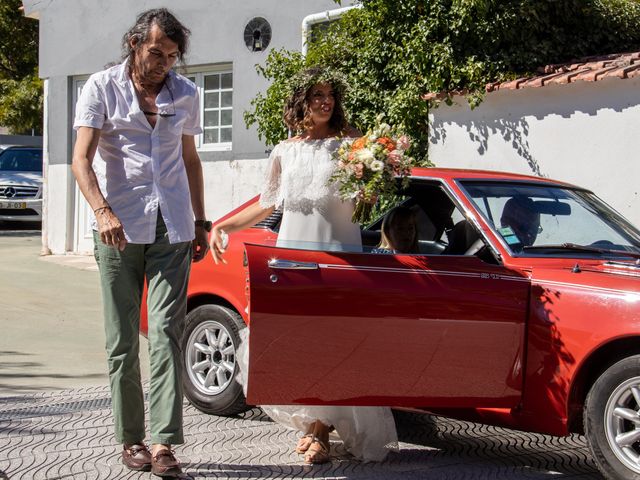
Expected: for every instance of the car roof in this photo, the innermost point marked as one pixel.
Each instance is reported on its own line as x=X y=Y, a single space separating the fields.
x=454 y=174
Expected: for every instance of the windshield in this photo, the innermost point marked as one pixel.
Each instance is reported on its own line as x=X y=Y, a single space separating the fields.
x=550 y=220
x=21 y=160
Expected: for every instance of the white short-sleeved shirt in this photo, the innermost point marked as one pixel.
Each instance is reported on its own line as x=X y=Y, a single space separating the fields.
x=140 y=168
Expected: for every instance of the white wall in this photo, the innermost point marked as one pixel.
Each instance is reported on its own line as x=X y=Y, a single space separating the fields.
x=580 y=133
x=229 y=184
x=58 y=205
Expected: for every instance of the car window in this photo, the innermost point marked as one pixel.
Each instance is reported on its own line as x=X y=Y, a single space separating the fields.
x=441 y=226
x=530 y=218
x=21 y=160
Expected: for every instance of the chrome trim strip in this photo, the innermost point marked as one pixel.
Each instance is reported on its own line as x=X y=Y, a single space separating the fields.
x=417 y=271
x=579 y=286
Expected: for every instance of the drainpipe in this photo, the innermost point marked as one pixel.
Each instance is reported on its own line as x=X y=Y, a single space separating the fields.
x=321 y=17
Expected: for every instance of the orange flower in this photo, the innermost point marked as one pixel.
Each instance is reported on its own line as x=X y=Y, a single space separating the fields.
x=359 y=144
x=387 y=143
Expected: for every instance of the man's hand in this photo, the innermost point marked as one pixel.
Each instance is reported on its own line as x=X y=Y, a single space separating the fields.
x=200 y=244
x=110 y=228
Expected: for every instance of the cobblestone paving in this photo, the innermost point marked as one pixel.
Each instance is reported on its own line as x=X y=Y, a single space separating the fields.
x=68 y=435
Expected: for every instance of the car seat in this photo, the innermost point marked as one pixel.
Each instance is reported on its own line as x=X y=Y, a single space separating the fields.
x=461 y=237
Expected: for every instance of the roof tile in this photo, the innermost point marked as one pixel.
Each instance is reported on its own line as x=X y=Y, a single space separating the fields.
x=589 y=69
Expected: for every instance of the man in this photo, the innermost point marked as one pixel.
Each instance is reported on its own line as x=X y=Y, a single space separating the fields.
x=136 y=163
x=520 y=214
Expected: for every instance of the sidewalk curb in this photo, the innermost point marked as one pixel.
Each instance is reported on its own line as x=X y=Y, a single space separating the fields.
x=80 y=262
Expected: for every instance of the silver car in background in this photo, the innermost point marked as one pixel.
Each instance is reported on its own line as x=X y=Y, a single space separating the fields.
x=21 y=184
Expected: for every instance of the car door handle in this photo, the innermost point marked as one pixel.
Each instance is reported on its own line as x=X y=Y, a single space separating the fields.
x=291 y=265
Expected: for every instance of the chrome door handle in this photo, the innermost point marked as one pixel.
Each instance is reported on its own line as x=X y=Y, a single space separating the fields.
x=291 y=265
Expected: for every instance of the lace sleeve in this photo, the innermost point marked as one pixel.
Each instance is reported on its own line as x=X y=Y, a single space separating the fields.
x=270 y=196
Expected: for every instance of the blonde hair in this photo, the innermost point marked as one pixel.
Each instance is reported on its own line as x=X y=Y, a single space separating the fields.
x=396 y=218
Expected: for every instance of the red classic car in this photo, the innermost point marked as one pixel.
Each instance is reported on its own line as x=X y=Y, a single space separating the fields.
x=522 y=309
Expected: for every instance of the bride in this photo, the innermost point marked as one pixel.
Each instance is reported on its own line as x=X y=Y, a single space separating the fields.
x=314 y=217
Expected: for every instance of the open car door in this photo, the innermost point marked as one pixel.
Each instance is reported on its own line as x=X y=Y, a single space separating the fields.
x=337 y=328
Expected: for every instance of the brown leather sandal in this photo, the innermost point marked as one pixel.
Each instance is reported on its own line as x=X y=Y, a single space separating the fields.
x=304 y=443
x=317 y=453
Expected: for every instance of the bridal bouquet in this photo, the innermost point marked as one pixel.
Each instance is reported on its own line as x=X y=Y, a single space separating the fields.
x=367 y=167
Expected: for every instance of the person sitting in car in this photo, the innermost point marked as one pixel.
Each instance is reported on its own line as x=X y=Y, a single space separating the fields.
x=399 y=233
x=521 y=216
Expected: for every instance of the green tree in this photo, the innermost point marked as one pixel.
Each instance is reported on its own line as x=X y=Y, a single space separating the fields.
x=20 y=87
x=393 y=52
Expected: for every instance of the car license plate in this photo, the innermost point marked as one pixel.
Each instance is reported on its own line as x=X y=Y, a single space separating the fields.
x=13 y=205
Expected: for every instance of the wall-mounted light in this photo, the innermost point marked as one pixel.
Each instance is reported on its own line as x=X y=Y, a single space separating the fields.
x=257 y=34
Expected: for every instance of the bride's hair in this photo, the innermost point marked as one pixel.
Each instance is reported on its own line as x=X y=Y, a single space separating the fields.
x=297 y=114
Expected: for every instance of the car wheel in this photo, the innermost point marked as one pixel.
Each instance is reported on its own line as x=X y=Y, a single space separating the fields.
x=612 y=420
x=209 y=344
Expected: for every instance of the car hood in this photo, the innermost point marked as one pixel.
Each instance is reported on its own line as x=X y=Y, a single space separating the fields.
x=614 y=267
x=623 y=275
x=33 y=179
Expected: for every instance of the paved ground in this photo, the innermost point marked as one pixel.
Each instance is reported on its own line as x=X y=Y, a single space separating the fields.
x=50 y=312
x=67 y=435
x=55 y=420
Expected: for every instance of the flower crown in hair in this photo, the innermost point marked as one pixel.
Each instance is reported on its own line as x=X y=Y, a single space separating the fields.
x=307 y=78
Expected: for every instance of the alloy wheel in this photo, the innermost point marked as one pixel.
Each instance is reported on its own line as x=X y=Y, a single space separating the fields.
x=210 y=357
x=622 y=423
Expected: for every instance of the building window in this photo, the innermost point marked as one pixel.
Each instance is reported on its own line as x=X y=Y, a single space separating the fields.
x=216 y=101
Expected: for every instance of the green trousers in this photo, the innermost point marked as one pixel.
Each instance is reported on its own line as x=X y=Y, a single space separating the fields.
x=122 y=275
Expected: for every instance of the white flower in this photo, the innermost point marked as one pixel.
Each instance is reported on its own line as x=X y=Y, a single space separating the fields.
x=376 y=165
x=365 y=156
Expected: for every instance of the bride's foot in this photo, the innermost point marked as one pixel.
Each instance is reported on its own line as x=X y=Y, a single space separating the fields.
x=318 y=452
x=304 y=443
x=318 y=449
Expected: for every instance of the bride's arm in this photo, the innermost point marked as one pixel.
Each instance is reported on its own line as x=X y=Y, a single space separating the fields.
x=253 y=214
x=241 y=220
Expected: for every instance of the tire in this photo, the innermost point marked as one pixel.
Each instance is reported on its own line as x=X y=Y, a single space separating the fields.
x=612 y=409
x=210 y=371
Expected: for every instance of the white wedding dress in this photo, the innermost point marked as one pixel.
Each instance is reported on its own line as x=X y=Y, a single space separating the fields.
x=314 y=217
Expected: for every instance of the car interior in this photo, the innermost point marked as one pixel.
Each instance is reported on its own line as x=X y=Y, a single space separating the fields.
x=442 y=227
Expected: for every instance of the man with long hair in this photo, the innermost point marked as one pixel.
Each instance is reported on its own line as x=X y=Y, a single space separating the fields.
x=136 y=163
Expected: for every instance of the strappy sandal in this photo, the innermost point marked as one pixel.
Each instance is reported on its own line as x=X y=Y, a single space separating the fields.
x=317 y=453
x=304 y=442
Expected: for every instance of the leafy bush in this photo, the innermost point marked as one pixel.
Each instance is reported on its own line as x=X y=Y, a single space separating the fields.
x=393 y=52
x=20 y=87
